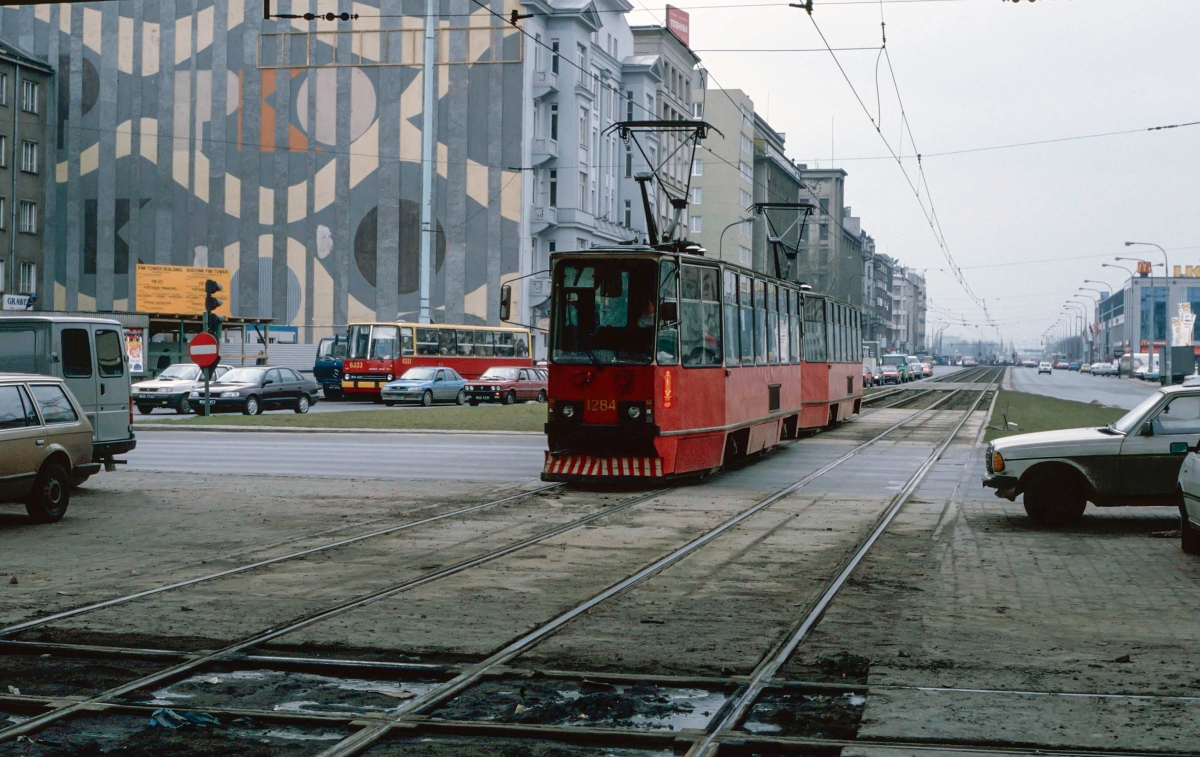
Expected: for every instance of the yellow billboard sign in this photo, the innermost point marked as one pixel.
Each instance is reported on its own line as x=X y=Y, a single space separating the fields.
x=179 y=289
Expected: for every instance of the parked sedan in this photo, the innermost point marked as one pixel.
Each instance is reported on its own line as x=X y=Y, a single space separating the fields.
x=508 y=385
x=1133 y=461
x=1189 y=507
x=253 y=390
x=427 y=386
x=173 y=388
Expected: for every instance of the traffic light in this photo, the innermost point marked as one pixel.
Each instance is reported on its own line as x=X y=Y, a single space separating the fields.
x=212 y=321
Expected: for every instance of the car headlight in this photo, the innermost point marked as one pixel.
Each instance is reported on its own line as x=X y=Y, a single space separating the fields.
x=634 y=412
x=228 y=394
x=195 y=394
x=997 y=462
x=568 y=411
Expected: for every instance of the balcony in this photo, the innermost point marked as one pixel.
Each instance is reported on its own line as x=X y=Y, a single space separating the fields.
x=542 y=216
x=544 y=83
x=543 y=150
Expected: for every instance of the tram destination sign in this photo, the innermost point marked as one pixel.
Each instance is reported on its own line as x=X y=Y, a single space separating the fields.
x=177 y=289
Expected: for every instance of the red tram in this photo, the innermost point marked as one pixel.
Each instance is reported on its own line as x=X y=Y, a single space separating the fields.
x=666 y=363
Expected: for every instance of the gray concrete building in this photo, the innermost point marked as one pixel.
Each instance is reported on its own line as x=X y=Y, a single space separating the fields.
x=823 y=264
x=193 y=132
x=723 y=178
x=908 y=310
x=27 y=99
x=776 y=181
x=877 y=296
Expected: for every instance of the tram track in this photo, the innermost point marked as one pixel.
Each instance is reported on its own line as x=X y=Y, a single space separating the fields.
x=199 y=661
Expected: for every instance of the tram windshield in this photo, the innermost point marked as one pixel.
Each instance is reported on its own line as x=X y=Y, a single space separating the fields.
x=605 y=312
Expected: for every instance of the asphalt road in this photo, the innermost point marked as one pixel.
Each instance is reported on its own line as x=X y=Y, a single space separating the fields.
x=322 y=406
x=1082 y=387
x=467 y=457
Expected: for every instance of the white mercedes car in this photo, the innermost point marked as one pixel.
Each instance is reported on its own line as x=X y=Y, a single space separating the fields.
x=1133 y=461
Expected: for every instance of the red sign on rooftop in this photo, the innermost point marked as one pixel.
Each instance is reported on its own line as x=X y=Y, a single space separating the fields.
x=679 y=23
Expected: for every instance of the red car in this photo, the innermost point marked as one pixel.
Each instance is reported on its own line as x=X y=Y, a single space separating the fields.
x=508 y=385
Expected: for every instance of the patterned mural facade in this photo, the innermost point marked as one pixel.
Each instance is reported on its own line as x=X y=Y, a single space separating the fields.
x=193 y=132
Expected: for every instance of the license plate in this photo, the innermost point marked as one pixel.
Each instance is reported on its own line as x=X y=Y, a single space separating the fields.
x=207 y=402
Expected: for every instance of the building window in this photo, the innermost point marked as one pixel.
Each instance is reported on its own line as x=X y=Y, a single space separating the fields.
x=697 y=167
x=554 y=122
x=583 y=187
x=30 y=91
x=581 y=61
x=745 y=199
x=3 y=217
x=824 y=203
x=3 y=89
x=29 y=157
x=697 y=195
x=27 y=278
x=3 y=151
x=581 y=243
x=745 y=228
x=824 y=232
x=698 y=110
x=628 y=162
x=746 y=169
x=744 y=255
x=628 y=106
x=583 y=128
x=29 y=217
x=747 y=145
x=628 y=214
x=697 y=225
x=554 y=56
x=553 y=188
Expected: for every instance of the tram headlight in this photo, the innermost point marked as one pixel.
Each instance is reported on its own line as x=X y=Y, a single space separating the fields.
x=568 y=411
x=634 y=412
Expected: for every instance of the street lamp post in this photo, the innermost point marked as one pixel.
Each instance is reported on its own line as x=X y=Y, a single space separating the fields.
x=1095 y=316
x=1167 y=280
x=721 y=241
x=1078 y=317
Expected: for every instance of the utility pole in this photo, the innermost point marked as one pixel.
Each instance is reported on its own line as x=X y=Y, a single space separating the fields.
x=428 y=145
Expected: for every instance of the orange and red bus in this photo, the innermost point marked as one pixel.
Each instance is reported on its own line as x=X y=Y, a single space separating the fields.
x=376 y=353
x=666 y=363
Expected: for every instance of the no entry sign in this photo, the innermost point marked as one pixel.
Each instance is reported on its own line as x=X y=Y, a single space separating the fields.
x=203 y=350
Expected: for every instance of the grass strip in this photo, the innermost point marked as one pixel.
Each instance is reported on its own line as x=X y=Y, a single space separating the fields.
x=1036 y=412
x=524 y=417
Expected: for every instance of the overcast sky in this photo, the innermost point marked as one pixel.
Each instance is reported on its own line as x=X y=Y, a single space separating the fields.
x=979 y=73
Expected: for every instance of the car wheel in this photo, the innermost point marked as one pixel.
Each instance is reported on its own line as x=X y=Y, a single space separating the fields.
x=183 y=407
x=145 y=409
x=389 y=403
x=51 y=494
x=427 y=398
x=542 y=396
x=474 y=403
x=1054 y=498
x=461 y=399
x=302 y=404
x=510 y=398
x=333 y=395
x=1189 y=535
x=252 y=407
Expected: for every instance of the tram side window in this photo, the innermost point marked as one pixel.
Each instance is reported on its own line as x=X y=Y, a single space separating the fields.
x=427 y=341
x=700 y=316
x=666 y=348
x=831 y=343
x=794 y=331
x=836 y=323
x=407 y=345
x=466 y=342
x=746 y=306
x=814 y=330
x=385 y=343
x=729 y=297
x=504 y=344
x=772 y=324
x=760 y=322
x=483 y=344
x=784 y=358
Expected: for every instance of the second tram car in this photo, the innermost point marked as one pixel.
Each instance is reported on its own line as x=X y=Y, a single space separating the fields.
x=665 y=364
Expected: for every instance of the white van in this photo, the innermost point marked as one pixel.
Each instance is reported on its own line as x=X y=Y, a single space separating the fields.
x=89 y=355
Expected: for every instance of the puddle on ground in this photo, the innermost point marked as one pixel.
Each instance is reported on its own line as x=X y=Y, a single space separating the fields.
x=132 y=735
x=587 y=704
x=11 y=718
x=466 y=746
x=824 y=716
x=48 y=676
x=285 y=691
